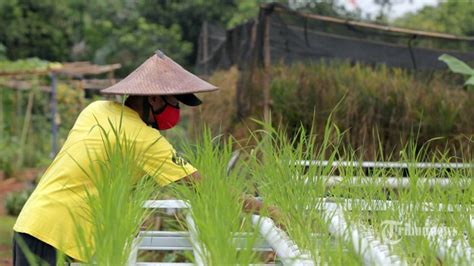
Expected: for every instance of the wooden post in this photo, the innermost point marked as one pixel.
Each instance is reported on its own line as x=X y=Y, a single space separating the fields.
x=54 y=126
x=2 y=122
x=266 y=68
x=205 y=46
x=17 y=112
x=25 y=128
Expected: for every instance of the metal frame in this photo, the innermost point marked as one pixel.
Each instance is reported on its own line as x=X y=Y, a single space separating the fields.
x=362 y=238
x=394 y=182
x=180 y=240
x=371 y=164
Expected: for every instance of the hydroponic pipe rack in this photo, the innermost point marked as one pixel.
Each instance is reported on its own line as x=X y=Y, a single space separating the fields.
x=362 y=238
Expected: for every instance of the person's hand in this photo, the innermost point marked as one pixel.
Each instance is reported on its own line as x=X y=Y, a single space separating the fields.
x=276 y=215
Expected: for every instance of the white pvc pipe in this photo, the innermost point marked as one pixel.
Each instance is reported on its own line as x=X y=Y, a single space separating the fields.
x=394 y=182
x=373 y=251
x=382 y=205
x=285 y=248
x=198 y=249
x=370 y=164
x=165 y=204
x=443 y=236
x=472 y=222
x=346 y=204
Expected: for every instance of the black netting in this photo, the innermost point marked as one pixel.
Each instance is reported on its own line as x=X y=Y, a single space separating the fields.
x=224 y=48
x=298 y=37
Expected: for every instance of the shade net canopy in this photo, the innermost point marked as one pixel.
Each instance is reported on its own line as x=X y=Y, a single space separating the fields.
x=297 y=37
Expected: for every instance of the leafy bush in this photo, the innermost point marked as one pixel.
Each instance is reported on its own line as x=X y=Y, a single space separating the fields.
x=458 y=66
x=25 y=116
x=3 y=52
x=16 y=200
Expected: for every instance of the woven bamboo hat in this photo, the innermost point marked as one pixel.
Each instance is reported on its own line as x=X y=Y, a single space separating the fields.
x=160 y=75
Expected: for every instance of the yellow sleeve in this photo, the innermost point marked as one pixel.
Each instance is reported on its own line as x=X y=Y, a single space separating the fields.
x=163 y=163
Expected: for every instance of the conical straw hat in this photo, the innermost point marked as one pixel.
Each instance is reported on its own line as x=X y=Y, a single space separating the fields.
x=160 y=75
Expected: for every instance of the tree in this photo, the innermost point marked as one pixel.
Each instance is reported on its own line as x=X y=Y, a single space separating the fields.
x=452 y=16
x=115 y=31
x=36 y=28
x=188 y=16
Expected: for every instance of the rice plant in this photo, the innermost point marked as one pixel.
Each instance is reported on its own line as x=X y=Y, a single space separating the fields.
x=115 y=194
x=216 y=206
x=335 y=213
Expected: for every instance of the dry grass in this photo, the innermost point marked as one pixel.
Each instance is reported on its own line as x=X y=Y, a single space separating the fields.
x=377 y=105
x=219 y=108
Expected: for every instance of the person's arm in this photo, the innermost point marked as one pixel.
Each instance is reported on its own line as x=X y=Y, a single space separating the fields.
x=250 y=204
x=192 y=178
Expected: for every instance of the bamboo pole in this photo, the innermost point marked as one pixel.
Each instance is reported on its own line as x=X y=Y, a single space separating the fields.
x=266 y=66
x=25 y=128
x=2 y=122
x=54 y=125
x=375 y=26
x=205 y=46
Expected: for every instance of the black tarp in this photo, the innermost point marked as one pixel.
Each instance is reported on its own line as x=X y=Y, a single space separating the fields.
x=295 y=37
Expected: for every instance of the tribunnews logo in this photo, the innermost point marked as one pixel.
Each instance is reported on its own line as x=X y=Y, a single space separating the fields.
x=393 y=231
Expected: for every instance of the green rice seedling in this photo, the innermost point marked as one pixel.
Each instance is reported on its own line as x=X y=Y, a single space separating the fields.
x=425 y=228
x=115 y=196
x=216 y=206
x=427 y=217
x=297 y=191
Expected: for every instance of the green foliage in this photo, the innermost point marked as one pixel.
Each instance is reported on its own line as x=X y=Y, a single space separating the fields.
x=116 y=31
x=458 y=66
x=27 y=64
x=3 y=51
x=300 y=192
x=25 y=120
x=121 y=31
x=9 y=155
x=282 y=182
x=36 y=28
x=16 y=200
x=187 y=16
x=6 y=235
x=245 y=10
x=453 y=16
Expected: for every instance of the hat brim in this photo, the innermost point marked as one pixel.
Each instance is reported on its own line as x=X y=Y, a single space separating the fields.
x=188 y=99
x=160 y=75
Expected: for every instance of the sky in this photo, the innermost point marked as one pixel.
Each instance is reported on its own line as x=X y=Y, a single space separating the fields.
x=399 y=7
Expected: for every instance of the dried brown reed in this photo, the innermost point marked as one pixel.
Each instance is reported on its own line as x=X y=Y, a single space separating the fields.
x=377 y=105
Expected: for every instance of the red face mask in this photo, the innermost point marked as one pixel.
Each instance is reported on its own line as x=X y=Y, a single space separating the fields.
x=167 y=118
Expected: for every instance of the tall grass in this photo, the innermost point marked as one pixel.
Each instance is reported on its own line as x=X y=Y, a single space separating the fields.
x=25 y=122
